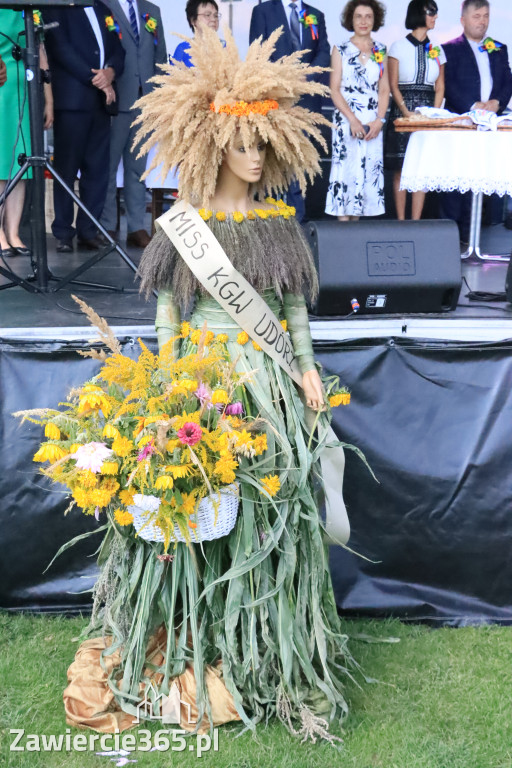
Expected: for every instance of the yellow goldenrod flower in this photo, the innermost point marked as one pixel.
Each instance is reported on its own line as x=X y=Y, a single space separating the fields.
x=223 y=338
x=164 y=483
x=122 y=446
x=195 y=336
x=256 y=346
x=251 y=215
x=126 y=497
x=109 y=468
x=123 y=517
x=260 y=444
x=238 y=217
x=342 y=398
x=220 y=396
x=209 y=337
x=185 y=326
x=190 y=385
x=271 y=484
x=49 y=452
x=52 y=431
x=220 y=216
x=242 y=338
x=284 y=324
x=144 y=441
x=110 y=431
x=205 y=214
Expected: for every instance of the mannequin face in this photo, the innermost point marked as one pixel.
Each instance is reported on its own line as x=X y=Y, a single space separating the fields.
x=363 y=20
x=475 y=22
x=246 y=165
x=207 y=16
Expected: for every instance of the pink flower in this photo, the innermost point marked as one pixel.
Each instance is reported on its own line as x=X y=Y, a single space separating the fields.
x=190 y=433
x=91 y=456
x=204 y=395
x=234 y=409
x=97 y=513
x=148 y=450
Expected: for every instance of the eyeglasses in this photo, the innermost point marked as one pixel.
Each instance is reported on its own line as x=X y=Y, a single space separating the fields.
x=214 y=16
x=430 y=12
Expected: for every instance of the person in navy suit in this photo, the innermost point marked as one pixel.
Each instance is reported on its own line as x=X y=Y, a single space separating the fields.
x=297 y=35
x=85 y=57
x=477 y=76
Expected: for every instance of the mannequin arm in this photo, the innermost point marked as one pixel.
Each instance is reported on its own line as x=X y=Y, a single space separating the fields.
x=296 y=314
x=168 y=318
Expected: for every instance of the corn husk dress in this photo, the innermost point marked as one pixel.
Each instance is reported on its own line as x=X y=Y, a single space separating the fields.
x=255 y=608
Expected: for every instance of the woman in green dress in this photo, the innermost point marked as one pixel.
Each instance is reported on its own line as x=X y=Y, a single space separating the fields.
x=15 y=129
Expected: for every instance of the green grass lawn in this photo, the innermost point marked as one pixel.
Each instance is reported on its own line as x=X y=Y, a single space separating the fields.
x=443 y=700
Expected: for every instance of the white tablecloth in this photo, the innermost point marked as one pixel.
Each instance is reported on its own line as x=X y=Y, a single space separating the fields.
x=445 y=161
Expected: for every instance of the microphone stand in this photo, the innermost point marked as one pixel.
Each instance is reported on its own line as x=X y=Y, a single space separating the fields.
x=38 y=281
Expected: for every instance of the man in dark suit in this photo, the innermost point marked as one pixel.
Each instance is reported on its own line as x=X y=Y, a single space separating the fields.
x=85 y=57
x=269 y=16
x=144 y=44
x=476 y=77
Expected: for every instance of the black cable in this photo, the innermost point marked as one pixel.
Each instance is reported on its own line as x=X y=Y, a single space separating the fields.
x=483 y=295
x=109 y=317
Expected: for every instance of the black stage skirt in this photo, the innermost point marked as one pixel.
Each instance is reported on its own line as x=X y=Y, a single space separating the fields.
x=396 y=143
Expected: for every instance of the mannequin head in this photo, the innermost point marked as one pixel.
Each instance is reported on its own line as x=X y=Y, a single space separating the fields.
x=244 y=163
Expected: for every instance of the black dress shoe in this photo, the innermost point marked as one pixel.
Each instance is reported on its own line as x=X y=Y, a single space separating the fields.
x=93 y=243
x=7 y=252
x=64 y=246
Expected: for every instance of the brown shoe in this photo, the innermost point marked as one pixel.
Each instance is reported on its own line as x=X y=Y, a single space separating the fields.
x=138 y=239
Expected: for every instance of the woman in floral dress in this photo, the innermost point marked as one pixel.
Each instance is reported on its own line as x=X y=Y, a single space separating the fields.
x=360 y=93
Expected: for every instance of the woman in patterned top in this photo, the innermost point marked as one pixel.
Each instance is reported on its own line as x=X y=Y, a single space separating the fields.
x=416 y=73
x=360 y=93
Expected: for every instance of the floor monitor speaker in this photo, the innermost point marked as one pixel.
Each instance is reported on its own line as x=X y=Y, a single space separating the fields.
x=386 y=267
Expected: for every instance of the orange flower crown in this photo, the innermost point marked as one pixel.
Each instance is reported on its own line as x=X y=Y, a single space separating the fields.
x=244 y=108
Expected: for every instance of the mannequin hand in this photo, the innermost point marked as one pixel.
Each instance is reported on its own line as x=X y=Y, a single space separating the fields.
x=375 y=128
x=356 y=128
x=313 y=390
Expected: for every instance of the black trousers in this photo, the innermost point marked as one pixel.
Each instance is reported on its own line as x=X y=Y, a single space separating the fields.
x=457 y=206
x=82 y=143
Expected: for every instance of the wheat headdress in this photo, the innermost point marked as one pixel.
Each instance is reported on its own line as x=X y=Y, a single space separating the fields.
x=193 y=114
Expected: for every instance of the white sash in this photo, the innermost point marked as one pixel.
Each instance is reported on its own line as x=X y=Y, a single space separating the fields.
x=205 y=257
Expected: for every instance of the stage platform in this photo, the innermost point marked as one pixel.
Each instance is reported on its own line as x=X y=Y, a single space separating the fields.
x=431 y=410
x=55 y=316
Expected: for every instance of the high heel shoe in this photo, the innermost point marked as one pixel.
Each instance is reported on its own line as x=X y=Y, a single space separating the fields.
x=7 y=252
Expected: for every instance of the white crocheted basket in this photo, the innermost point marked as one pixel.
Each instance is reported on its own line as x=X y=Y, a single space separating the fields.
x=226 y=500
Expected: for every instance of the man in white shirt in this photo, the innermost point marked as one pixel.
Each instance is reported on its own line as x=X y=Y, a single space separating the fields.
x=85 y=57
x=297 y=35
x=477 y=75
